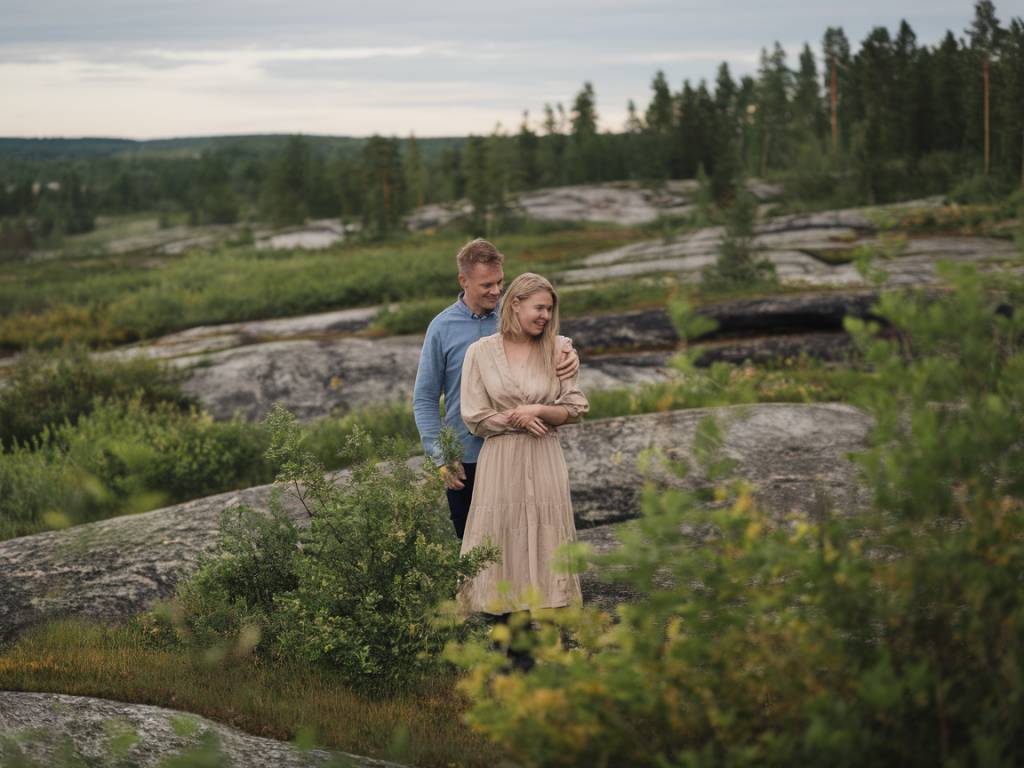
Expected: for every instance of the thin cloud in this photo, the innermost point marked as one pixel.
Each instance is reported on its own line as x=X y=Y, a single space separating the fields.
x=656 y=57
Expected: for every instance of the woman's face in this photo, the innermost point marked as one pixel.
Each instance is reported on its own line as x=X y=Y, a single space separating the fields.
x=534 y=312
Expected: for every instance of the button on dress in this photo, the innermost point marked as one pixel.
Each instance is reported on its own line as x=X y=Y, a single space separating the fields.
x=521 y=499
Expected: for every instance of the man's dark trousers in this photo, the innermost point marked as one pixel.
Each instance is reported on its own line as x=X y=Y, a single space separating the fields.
x=458 y=501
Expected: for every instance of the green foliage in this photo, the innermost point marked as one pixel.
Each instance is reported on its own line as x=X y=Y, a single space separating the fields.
x=794 y=381
x=409 y=316
x=231 y=595
x=286 y=700
x=384 y=191
x=47 y=390
x=736 y=265
x=362 y=592
x=98 y=301
x=327 y=438
x=981 y=189
x=889 y=637
x=123 y=457
x=638 y=293
x=689 y=324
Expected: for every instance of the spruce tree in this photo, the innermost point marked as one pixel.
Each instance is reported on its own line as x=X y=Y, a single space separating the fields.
x=385 y=197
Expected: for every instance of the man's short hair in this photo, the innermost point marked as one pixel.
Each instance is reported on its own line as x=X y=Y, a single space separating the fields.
x=478 y=251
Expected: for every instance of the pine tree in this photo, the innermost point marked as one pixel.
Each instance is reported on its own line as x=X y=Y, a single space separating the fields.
x=659 y=124
x=415 y=174
x=659 y=117
x=737 y=266
x=633 y=122
x=478 y=184
x=903 y=106
x=836 y=55
x=286 y=183
x=585 y=146
x=385 y=197
x=553 y=146
x=1012 y=109
x=807 y=108
x=773 y=109
x=215 y=199
x=985 y=35
x=949 y=97
x=528 y=151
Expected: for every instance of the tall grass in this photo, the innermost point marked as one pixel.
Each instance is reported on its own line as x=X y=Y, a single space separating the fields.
x=422 y=726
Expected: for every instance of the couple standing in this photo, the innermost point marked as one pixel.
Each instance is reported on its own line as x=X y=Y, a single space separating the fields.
x=508 y=381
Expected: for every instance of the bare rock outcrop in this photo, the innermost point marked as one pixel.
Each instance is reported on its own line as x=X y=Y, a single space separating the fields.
x=807 y=249
x=799 y=258
x=620 y=202
x=314 y=378
x=86 y=722
x=311 y=378
x=212 y=338
x=795 y=456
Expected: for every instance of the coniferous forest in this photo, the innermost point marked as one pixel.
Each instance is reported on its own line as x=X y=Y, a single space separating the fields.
x=841 y=122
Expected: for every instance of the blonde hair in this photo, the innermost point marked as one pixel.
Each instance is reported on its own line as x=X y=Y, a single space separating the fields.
x=478 y=251
x=522 y=288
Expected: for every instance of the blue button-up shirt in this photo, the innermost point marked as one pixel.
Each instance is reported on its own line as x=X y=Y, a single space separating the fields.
x=440 y=372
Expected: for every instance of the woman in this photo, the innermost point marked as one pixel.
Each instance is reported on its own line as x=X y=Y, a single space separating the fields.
x=512 y=398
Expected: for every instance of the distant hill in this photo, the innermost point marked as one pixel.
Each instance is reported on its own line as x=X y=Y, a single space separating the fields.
x=83 y=148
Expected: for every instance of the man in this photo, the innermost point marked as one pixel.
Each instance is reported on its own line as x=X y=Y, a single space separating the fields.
x=473 y=316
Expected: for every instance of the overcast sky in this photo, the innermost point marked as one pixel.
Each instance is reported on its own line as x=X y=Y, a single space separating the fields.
x=146 y=69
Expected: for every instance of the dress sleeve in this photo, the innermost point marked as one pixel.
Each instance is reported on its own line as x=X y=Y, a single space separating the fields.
x=570 y=396
x=477 y=409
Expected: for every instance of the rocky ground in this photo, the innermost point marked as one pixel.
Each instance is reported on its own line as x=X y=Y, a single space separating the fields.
x=88 y=722
x=314 y=365
x=324 y=363
x=625 y=203
x=813 y=250
x=794 y=455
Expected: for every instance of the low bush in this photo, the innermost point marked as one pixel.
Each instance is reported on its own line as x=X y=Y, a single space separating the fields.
x=363 y=590
x=409 y=316
x=981 y=188
x=124 y=457
x=47 y=390
x=737 y=265
x=892 y=636
x=799 y=380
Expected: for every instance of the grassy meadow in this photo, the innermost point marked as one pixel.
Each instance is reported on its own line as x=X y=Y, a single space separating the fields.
x=100 y=299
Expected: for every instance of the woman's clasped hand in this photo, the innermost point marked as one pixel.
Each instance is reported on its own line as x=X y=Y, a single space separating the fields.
x=528 y=417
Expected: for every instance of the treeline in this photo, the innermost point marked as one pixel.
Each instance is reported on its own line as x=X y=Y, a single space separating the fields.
x=892 y=119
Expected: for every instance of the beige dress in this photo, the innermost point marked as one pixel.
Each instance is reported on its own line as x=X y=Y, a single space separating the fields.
x=521 y=492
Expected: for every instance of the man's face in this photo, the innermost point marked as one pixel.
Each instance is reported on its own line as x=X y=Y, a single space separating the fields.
x=483 y=286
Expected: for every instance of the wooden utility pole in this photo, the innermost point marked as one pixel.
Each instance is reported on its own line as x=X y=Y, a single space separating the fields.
x=984 y=71
x=834 y=88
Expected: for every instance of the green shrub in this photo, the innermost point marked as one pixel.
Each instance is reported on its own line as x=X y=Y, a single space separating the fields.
x=409 y=316
x=637 y=293
x=364 y=589
x=893 y=636
x=736 y=266
x=233 y=590
x=124 y=457
x=981 y=188
x=329 y=439
x=47 y=390
x=35 y=493
x=134 y=451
